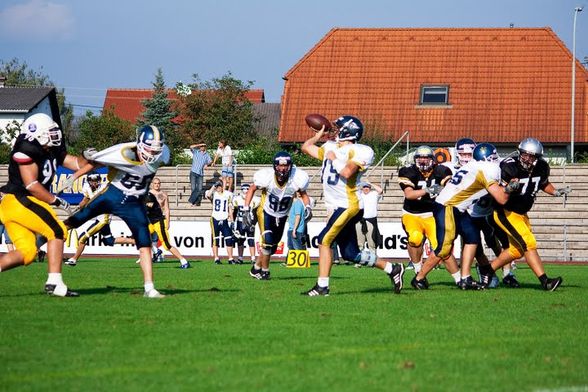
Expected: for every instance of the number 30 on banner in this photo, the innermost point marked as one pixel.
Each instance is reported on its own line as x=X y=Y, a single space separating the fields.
x=298 y=259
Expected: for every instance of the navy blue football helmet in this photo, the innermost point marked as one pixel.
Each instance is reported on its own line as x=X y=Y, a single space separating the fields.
x=485 y=152
x=150 y=141
x=350 y=128
x=282 y=166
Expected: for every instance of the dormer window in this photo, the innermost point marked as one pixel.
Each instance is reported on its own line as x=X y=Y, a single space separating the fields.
x=434 y=95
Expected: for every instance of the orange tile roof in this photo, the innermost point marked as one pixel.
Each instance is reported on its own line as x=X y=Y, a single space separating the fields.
x=505 y=84
x=128 y=103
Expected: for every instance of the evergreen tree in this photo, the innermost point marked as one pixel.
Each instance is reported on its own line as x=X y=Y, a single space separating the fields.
x=159 y=111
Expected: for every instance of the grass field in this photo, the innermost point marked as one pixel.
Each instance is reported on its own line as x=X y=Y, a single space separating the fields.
x=219 y=329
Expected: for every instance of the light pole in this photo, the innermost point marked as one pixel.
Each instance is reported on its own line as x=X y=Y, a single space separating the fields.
x=573 y=121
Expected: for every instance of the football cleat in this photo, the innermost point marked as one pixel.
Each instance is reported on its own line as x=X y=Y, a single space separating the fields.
x=61 y=291
x=217 y=262
x=487 y=276
x=410 y=265
x=265 y=275
x=231 y=262
x=396 y=277
x=552 y=284
x=71 y=262
x=510 y=281
x=470 y=284
x=157 y=256
x=422 y=284
x=185 y=266
x=239 y=261
x=317 y=291
x=255 y=272
x=153 y=294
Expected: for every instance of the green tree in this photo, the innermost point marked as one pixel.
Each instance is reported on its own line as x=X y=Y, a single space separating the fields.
x=19 y=74
x=218 y=109
x=102 y=131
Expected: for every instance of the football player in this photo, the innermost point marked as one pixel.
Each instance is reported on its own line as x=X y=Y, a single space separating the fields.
x=241 y=235
x=158 y=213
x=421 y=182
x=277 y=185
x=26 y=209
x=344 y=163
x=100 y=225
x=533 y=172
x=472 y=181
x=132 y=166
x=221 y=219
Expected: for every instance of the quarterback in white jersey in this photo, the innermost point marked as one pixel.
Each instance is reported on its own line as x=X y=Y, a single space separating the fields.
x=132 y=166
x=471 y=182
x=344 y=162
x=278 y=186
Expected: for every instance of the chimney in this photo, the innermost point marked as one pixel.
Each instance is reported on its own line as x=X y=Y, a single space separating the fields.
x=2 y=80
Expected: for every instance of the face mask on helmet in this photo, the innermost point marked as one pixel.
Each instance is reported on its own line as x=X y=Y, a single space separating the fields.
x=530 y=150
x=42 y=128
x=149 y=143
x=424 y=158
x=485 y=152
x=464 y=148
x=350 y=128
x=282 y=166
x=245 y=188
x=94 y=180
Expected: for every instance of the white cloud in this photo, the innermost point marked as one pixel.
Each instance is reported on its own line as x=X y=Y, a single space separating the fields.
x=36 y=20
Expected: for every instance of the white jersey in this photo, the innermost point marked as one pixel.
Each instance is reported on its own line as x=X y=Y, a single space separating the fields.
x=126 y=172
x=222 y=204
x=469 y=184
x=239 y=204
x=275 y=199
x=339 y=192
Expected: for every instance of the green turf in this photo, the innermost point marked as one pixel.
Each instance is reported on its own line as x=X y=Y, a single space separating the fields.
x=219 y=329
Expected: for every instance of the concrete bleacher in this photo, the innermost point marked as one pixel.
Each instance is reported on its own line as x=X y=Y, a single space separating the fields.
x=561 y=230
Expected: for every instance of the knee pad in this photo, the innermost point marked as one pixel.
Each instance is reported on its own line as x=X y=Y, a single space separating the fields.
x=415 y=239
x=366 y=257
x=29 y=253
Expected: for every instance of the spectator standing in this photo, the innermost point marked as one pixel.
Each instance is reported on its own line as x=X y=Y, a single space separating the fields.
x=367 y=229
x=200 y=160
x=297 y=225
x=225 y=152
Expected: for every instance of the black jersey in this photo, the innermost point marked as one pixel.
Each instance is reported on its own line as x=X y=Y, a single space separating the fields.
x=154 y=211
x=532 y=181
x=26 y=151
x=412 y=177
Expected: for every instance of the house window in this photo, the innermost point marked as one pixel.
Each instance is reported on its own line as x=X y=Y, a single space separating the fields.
x=434 y=95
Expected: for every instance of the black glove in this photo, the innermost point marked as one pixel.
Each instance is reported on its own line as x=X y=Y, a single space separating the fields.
x=513 y=186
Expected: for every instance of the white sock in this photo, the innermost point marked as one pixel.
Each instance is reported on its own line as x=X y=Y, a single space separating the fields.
x=183 y=261
x=55 y=278
x=72 y=259
x=417 y=267
x=456 y=276
x=149 y=286
x=265 y=269
x=388 y=267
x=323 y=282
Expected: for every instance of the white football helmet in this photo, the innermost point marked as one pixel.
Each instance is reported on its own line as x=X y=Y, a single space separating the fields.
x=149 y=143
x=42 y=128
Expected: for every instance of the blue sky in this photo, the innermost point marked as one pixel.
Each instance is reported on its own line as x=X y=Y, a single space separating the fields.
x=89 y=46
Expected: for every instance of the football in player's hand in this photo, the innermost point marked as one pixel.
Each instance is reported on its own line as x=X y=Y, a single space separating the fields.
x=316 y=122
